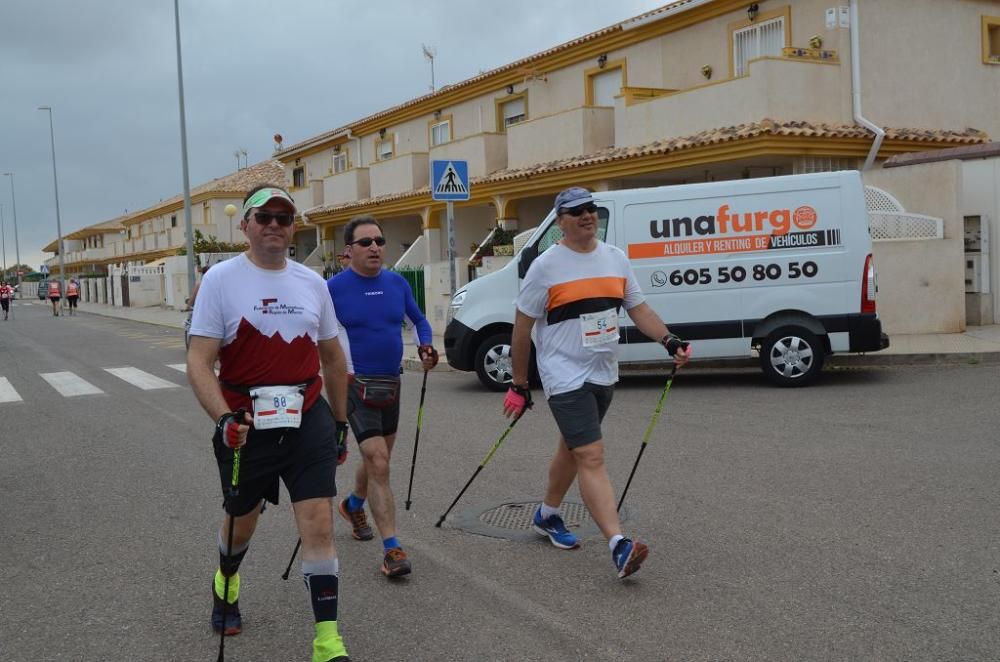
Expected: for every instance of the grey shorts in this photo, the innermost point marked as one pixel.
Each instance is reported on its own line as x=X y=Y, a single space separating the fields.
x=579 y=413
x=375 y=417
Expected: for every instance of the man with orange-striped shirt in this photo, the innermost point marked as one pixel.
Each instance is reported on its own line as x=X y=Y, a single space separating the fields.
x=573 y=293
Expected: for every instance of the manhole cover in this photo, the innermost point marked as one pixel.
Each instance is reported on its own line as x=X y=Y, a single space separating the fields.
x=518 y=516
x=512 y=520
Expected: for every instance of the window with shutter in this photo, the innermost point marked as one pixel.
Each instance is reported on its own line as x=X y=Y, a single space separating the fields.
x=757 y=40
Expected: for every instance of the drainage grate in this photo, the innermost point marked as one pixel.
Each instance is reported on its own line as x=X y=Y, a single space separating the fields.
x=518 y=516
x=512 y=520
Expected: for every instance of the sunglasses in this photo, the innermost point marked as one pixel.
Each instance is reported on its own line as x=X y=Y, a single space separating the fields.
x=365 y=242
x=578 y=211
x=264 y=218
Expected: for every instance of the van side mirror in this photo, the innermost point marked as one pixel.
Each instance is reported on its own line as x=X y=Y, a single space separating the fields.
x=527 y=256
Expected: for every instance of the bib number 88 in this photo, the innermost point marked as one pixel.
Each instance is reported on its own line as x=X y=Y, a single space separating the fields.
x=279 y=402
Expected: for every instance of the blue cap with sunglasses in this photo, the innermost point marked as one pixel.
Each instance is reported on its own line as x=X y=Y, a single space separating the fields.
x=574 y=196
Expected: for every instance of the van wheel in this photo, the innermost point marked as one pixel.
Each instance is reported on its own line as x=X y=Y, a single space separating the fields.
x=792 y=356
x=493 y=364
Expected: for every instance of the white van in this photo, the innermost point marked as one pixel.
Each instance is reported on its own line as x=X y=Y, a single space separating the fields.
x=781 y=266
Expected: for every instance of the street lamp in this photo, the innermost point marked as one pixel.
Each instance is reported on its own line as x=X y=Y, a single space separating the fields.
x=3 y=244
x=184 y=153
x=17 y=246
x=230 y=210
x=55 y=182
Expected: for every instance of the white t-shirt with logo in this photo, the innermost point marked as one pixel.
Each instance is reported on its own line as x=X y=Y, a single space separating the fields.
x=269 y=321
x=575 y=298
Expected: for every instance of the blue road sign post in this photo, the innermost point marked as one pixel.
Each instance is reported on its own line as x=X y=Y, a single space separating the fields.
x=450 y=182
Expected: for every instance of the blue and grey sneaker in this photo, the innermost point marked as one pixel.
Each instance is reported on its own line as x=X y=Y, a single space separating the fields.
x=555 y=529
x=628 y=556
x=234 y=622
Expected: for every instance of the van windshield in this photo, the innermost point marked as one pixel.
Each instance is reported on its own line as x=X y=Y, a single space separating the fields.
x=553 y=234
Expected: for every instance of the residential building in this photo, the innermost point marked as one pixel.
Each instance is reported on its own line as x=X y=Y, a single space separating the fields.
x=697 y=90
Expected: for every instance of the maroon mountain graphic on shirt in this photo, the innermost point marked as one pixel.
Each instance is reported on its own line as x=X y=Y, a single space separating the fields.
x=253 y=359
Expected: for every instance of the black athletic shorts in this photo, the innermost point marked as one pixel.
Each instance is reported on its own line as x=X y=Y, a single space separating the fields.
x=304 y=458
x=72 y=301
x=368 y=421
x=5 y=304
x=579 y=413
x=54 y=299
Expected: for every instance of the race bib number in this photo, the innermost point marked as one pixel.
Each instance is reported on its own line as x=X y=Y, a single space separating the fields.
x=599 y=328
x=277 y=406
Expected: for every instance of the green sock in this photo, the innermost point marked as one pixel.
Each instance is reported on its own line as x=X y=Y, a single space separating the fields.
x=327 y=644
x=234 y=586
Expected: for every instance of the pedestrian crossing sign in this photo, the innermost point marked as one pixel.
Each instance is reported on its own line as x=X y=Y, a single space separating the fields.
x=450 y=180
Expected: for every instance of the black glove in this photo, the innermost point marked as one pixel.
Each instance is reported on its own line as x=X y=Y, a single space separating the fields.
x=428 y=350
x=673 y=343
x=341 y=442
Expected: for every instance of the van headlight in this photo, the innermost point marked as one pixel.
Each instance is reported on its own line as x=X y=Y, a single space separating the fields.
x=456 y=303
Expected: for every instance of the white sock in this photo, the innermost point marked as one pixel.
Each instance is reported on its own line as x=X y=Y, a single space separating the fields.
x=548 y=511
x=614 y=542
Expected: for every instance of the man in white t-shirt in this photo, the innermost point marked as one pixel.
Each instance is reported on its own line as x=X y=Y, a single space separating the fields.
x=571 y=295
x=271 y=324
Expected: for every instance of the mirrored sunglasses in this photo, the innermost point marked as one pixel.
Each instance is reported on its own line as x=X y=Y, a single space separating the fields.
x=284 y=219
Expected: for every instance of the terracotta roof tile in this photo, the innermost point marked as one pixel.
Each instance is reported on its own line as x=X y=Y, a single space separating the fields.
x=715 y=136
x=237 y=183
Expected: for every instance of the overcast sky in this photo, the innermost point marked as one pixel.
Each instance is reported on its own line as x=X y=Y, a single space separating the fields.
x=252 y=68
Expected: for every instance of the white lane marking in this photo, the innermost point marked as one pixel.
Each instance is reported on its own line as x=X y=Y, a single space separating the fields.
x=141 y=379
x=178 y=366
x=7 y=392
x=68 y=384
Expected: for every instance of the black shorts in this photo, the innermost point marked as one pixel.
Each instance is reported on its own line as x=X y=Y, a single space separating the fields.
x=579 y=413
x=5 y=304
x=369 y=421
x=72 y=301
x=54 y=299
x=305 y=458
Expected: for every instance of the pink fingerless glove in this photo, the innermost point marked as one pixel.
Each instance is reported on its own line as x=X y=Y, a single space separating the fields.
x=518 y=399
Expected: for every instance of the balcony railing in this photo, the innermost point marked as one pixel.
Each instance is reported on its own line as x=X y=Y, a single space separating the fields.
x=402 y=173
x=776 y=88
x=563 y=135
x=485 y=152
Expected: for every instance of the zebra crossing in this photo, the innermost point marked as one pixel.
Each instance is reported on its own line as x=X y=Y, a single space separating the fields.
x=71 y=385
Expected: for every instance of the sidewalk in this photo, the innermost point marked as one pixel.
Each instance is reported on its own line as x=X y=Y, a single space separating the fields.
x=976 y=344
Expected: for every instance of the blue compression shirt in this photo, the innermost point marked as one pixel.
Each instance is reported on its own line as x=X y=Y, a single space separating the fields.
x=371 y=311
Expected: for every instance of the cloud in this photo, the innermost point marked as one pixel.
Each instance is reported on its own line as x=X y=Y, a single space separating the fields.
x=252 y=68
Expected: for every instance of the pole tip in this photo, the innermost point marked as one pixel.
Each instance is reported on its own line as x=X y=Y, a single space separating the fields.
x=408 y=505
x=438 y=525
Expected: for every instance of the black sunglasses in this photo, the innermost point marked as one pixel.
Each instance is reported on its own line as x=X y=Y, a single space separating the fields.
x=578 y=211
x=365 y=242
x=264 y=218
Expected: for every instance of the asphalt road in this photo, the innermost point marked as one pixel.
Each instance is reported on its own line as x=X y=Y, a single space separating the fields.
x=853 y=520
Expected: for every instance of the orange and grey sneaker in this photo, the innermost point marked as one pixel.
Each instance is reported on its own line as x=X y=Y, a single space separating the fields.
x=395 y=563
x=359 y=521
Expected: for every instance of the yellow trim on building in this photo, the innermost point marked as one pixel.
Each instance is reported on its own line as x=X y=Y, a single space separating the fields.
x=500 y=102
x=785 y=12
x=991 y=39
x=588 y=76
x=436 y=121
x=389 y=137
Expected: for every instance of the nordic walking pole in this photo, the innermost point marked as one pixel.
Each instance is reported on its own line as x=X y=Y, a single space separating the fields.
x=649 y=431
x=482 y=464
x=295 y=551
x=416 y=439
x=234 y=490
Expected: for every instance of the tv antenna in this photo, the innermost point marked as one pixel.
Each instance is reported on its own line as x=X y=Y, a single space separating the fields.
x=430 y=53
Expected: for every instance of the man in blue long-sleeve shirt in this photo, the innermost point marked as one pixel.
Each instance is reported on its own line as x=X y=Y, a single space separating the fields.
x=372 y=305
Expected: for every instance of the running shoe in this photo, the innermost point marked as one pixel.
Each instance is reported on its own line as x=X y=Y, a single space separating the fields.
x=234 y=622
x=359 y=521
x=555 y=529
x=628 y=556
x=395 y=563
